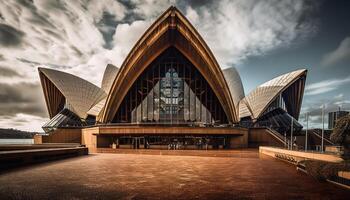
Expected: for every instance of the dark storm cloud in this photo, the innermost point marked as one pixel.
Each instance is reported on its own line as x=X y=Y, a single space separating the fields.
x=10 y=36
x=130 y=15
x=34 y=63
x=107 y=26
x=7 y=72
x=37 y=18
x=21 y=98
x=196 y=3
x=128 y=4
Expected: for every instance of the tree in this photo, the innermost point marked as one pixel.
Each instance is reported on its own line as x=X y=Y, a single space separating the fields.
x=341 y=133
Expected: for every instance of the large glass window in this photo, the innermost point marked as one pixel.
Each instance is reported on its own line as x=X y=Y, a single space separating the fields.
x=171 y=91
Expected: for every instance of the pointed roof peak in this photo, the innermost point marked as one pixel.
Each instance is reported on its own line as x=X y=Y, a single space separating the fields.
x=108 y=77
x=170 y=29
x=172 y=8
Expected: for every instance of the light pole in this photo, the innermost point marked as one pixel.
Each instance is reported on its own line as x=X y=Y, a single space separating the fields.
x=291 y=133
x=307 y=127
x=322 y=128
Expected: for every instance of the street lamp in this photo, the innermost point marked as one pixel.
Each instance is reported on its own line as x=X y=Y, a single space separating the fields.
x=307 y=127
x=291 y=133
x=322 y=128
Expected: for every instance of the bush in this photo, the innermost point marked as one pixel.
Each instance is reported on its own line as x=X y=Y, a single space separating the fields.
x=341 y=130
x=321 y=170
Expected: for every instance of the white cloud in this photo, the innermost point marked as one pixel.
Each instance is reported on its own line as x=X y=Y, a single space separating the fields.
x=325 y=86
x=342 y=53
x=339 y=96
x=57 y=34
x=24 y=122
x=236 y=30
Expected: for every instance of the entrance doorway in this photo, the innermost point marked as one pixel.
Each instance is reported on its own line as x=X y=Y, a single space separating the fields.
x=138 y=142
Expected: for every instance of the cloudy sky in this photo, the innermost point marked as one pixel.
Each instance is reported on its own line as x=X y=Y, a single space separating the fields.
x=262 y=39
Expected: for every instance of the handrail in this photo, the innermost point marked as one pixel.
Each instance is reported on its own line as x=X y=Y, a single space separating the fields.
x=315 y=131
x=276 y=135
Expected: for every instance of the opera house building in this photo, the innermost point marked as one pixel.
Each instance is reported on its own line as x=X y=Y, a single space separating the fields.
x=170 y=93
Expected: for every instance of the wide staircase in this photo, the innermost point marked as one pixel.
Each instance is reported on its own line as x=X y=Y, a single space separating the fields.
x=284 y=141
x=314 y=139
x=264 y=136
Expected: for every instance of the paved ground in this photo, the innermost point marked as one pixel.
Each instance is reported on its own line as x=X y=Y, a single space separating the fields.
x=137 y=176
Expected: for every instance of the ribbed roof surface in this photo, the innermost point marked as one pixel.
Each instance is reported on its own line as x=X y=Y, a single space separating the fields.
x=243 y=109
x=96 y=109
x=79 y=93
x=107 y=81
x=259 y=99
x=108 y=77
x=235 y=85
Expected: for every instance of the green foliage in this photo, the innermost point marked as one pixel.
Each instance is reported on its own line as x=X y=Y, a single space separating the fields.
x=341 y=130
x=325 y=170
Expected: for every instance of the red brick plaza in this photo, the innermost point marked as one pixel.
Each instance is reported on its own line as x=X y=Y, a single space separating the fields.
x=198 y=175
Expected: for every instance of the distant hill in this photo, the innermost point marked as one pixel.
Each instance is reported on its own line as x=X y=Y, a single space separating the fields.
x=14 y=133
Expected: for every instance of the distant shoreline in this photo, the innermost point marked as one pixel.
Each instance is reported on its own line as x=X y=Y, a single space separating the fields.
x=16 y=134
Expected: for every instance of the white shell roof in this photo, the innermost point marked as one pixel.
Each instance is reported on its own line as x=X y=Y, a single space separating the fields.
x=107 y=81
x=259 y=99
x=235 y=85
x=243 y=109
x=108 y=77
x=97 y=108
x=80 y=94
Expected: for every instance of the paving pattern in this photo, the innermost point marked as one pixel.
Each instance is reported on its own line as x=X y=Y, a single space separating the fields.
x=237 y=175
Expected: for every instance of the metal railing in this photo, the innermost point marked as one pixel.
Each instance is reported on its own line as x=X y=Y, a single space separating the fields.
x=318 y=134
x=278 y=136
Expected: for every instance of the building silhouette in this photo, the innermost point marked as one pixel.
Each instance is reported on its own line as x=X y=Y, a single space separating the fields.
x=169 y=92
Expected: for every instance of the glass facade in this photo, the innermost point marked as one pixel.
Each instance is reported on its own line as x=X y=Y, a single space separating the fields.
x=276 y=116
x=171 y=91
x=65 y=118
x=279 y=120
x=277 y=103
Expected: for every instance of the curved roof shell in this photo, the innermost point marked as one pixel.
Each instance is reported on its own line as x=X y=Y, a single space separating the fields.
x=78 y=93
x=257 y=101
x=170 y=29
x=108 y=77
x=235 y=85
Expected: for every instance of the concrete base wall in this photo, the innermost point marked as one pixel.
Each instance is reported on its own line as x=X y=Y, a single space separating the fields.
x=102 y=137
x=297 y=156
x=60 y=136
x=239 y=141
x=38 y=139
x=260 y=137
x=97 y=137
x=89 y=139
x=10 y=159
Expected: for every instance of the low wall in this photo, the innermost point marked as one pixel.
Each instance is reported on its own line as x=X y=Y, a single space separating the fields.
x=261 y=137
x=16 y=158
x=12 y=147
x=297 y=156
x=89 y=139
x=62 y=135
x=237 y=142
x=344 y=174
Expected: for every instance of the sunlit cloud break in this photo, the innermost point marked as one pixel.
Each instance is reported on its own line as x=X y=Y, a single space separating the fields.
x=325 y=86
